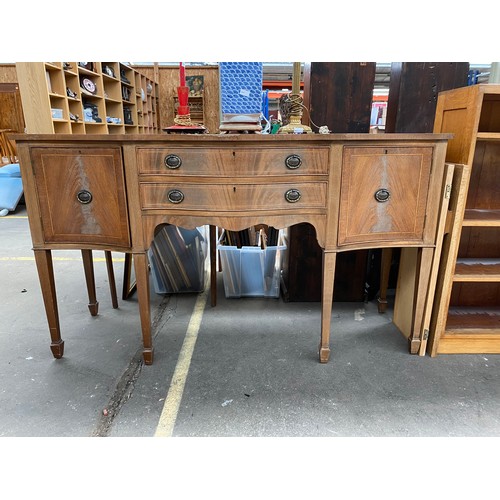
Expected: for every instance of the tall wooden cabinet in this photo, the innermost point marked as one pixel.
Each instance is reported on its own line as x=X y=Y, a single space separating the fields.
x=413 y=92
x=466 y=317
x=339 y=95
x=11 y=110
x=411 y=108
x=87 y=98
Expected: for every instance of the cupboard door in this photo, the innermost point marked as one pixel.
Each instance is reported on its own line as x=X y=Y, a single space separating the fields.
x=81 y=193
x=384 y=194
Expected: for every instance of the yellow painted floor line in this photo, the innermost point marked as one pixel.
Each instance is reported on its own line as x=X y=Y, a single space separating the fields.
x=95 y=259
x=14 y=217
x=170 y=410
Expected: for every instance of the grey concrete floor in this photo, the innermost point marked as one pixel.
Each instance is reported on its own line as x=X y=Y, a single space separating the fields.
x=254 y=370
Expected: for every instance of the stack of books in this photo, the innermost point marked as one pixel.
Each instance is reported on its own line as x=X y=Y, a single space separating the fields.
x=255 y=236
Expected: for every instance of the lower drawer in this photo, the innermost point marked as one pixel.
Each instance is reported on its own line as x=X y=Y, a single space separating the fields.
x=222 y=197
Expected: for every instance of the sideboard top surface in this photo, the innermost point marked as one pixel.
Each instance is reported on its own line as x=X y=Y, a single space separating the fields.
x=227 y=138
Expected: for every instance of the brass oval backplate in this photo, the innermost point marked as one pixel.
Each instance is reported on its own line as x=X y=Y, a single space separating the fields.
x=293 y=161
x=173 y=161
x=84 y=196
x=292 y=195
x=175 y=196
x=382 y=195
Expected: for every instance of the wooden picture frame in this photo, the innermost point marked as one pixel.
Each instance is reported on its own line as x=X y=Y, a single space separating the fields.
x=196 y=85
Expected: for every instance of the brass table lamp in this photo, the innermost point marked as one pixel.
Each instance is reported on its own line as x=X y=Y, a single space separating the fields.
x=295 y=125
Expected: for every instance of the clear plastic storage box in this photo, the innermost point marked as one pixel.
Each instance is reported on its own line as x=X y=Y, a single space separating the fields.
x=251 y=271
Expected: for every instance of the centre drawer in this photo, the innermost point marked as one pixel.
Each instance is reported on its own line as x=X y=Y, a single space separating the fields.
x=224 y=197
x=227 y=161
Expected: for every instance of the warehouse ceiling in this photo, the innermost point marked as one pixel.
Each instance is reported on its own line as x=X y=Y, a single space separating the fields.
x=282 y=71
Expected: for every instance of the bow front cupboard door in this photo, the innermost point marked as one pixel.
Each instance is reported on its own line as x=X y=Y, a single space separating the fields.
x=81 y=192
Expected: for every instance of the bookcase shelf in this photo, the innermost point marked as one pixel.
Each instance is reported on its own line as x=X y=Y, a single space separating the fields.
x=52 y=66
x=466 y=314
x=470 y=330
x=481 y=217
x=84 y=71
x=50 y=85
x=472 y=322
x=488 y=136
x=470 y=269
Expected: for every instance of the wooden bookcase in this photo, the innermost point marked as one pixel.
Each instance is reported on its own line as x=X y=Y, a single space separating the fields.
x=466 y=316
x=54 y=98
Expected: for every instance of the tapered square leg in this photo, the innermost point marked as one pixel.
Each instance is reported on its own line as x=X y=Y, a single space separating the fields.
x=128 y=288
x=213 y=266
x=43 y=259
x=329 y=259
x=324 y=354
x=88 y=267
x=142 y=278
x=385 y=267
x=111 y=278
x=57 y=349
x=148 y=356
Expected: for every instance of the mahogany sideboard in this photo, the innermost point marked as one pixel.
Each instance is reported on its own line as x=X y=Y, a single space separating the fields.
x=110 y=192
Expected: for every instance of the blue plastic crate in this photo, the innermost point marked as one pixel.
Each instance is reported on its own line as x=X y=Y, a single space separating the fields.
x=11 y=187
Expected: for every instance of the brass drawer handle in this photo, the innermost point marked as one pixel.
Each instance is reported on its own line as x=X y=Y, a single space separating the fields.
x=84 y=197
x=292 y=195
x=382 y=195
x=175 y=196
x=173 y=161
x=293 y=161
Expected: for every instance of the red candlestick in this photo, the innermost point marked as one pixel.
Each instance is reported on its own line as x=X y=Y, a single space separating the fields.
x=182 y=75
x=183 y=95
